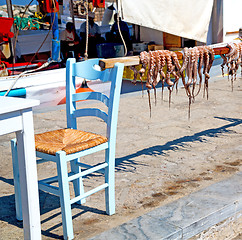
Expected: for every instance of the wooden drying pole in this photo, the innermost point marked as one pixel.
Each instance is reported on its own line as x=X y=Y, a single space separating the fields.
x=134 y=60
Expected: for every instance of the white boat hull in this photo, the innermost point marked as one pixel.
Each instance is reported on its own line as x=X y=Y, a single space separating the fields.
x=48 y=86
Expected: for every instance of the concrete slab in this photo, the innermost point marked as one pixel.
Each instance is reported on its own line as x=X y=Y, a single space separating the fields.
x=186 y=217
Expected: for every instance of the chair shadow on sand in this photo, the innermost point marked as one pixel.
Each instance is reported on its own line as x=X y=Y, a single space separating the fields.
x=49 y=202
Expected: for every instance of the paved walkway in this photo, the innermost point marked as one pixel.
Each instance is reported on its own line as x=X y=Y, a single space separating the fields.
x=186 y=217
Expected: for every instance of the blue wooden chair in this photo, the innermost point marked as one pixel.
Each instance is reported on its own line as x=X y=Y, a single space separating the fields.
x=68 y=145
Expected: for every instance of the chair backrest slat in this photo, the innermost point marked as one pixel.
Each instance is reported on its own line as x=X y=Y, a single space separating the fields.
x=93 y=73
x=91 y=96
x=95 y=112
x=90 y=70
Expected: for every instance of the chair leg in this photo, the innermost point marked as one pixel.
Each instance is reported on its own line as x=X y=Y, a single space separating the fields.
x=78 y=183
x=62 y=173
x=17 y=190
x=110 y=179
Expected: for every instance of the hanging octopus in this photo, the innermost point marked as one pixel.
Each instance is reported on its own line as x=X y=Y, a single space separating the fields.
x=229 y=56
x=223 y=63
x=208 y=62
x=144 y=59
x=200 y=64
x=151 y=67
x=161 y=62
x=186 y=56
x=232 y=60
x=239 y=60
x=176 y=72
x=193 y=60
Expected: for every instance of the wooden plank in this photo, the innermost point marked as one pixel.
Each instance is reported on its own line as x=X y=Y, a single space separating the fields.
x=134 y=60
x=128 y=61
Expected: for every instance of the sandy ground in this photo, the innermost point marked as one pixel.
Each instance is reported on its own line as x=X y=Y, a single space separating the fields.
x=158 y=159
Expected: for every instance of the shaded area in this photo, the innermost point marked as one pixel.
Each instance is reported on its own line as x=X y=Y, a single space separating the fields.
x=48 y=202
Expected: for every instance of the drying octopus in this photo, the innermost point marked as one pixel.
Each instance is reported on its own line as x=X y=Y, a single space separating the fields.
x=193 y=60
x=156 y=61
x=232 y=60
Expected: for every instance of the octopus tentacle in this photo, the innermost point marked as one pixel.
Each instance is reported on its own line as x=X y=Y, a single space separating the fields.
x=133 y=68
x=162 y=59
x=177 y=65
x=201 y=54
x=190 y=67
x=210 y=63
x=144 y=59
x=211 y=59
x=150 y=71
x=170 y=68
x=196 y=52
x=155 y=74
x=229 y=55
x=224 y=62
x=185 y=60
x=186 y=56
x=205 y=71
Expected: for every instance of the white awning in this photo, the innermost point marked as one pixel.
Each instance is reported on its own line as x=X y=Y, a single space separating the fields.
x=185 y=18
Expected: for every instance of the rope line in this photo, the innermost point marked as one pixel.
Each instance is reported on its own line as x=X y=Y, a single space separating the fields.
x=87 y=30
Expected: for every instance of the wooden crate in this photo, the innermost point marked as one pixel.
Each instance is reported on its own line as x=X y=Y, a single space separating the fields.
x=154 y=47
x=171 y=41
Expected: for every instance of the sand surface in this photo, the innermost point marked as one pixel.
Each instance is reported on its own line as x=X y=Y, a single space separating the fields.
x=158 y=159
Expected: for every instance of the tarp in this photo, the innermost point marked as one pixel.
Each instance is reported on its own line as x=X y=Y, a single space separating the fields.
x=184 y=18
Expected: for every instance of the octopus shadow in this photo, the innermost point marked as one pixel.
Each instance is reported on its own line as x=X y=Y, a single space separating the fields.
x=124 y=163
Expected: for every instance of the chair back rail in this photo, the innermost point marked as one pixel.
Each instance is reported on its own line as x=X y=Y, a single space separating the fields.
x=90 y=96
x=91 y=71
x=95 y=112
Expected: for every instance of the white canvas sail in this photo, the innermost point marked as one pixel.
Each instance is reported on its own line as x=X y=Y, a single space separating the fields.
x=185 y=18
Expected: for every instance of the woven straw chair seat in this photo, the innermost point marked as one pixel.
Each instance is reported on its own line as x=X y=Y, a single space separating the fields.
x=68 y=140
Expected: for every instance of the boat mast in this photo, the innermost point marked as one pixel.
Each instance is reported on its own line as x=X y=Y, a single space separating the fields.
x=72 y=13
x=11 y=41
x=55 y=54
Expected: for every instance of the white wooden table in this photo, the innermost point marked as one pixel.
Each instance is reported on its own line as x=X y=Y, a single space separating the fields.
x=16 y=116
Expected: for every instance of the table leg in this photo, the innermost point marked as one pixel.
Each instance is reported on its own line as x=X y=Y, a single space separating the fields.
x=28 y=177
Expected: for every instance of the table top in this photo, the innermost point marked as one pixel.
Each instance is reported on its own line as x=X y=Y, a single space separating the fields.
x=11 y=104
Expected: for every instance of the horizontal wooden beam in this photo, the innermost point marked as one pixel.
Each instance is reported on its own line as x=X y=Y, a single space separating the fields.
x=234 y=32
x=128 y=61
x=134 y=60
